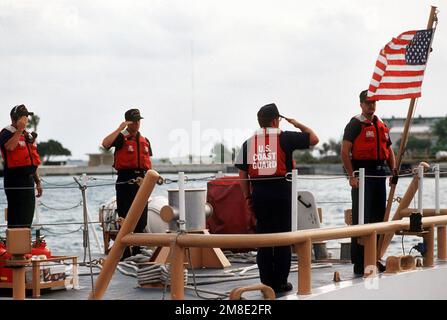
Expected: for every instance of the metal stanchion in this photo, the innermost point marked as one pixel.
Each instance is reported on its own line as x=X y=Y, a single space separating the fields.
x=420 y=188
x=181 y=201
x=437 y=199
x=86 y=240
x=362 y=196
x=294 y=199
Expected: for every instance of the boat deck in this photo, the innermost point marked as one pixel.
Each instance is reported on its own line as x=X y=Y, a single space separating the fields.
x=216 y=284
x=210 y=283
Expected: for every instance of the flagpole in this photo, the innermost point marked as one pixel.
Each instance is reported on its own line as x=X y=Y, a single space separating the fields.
x=384 y=240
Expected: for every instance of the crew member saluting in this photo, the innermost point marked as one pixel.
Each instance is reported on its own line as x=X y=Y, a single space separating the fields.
x=21 y=159
x=268 y=154
x=132 y=160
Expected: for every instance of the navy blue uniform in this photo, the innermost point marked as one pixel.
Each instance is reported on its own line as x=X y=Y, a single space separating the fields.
x=21 y=201
x=272 y=208
x=125 y=194
x=375 y=193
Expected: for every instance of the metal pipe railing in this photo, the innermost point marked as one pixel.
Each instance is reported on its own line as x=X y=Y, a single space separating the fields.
x=304 y=252
x=442 y=242
x=427 y=212
x=301 y=240
x=274 y=239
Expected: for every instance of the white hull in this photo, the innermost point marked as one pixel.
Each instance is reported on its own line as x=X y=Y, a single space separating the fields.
x=421 y=284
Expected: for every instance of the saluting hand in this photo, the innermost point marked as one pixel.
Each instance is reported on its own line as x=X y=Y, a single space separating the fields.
x=21 y=123
x=291 y=121
x=123 y=125
x=296 y=124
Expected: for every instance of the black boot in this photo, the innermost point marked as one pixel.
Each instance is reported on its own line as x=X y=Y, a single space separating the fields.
x=136 y=250
x=126 y=254
x=359 y=269
x=285 y=287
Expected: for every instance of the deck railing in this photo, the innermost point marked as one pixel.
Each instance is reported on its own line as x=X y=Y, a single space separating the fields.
x=300 y=240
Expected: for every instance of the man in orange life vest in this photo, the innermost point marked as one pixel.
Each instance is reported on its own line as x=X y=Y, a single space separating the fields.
x=21 y=159
x=366 y=144
x=268 y=154
x=132 y=159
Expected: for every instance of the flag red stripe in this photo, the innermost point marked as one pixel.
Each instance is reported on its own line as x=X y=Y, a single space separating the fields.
x=395 y=51
x=397 y=62
x=400 y=85
x=400 y=42
x=392 y=73
x=372 y=88
x=406 y=33
x=377 y=77
x=380 y=65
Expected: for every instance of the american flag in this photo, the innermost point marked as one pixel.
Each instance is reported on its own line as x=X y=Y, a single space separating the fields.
x=400 y=67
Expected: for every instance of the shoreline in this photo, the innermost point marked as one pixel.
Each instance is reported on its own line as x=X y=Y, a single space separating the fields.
x=304 y=169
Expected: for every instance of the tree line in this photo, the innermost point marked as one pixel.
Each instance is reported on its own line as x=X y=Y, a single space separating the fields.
x=50 y=148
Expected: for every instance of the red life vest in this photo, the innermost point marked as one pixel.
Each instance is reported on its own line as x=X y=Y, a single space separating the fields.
x=25 y=153
x=265 y=157
x=133 y=155
x=372 y=142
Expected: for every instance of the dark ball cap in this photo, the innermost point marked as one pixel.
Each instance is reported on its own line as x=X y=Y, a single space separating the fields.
x=364 y=96
x=19 y=111
x=269 y=111
x=133 y=115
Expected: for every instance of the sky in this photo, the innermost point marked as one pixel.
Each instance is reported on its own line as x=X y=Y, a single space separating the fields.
x=200 y=70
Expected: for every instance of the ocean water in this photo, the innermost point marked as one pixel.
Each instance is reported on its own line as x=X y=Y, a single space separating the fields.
x=60 y=207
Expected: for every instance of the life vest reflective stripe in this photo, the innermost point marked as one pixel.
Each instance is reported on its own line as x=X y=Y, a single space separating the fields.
x=372 y=142
x=265 y=156
x=25 y=153
x=133 y=155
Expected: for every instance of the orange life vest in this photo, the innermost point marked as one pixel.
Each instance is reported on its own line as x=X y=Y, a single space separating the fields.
x=133 y=154
x=372 y=142
x=265 y=157
x=25 y=153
